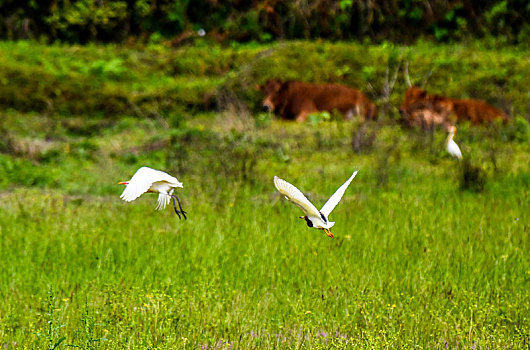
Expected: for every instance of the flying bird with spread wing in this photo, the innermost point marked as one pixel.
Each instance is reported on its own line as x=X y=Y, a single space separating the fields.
x=313 y=217
x=150 y=180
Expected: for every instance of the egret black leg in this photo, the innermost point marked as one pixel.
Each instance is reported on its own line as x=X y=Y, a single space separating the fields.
x=180 y=206
x=181 y=211
x=175 y=206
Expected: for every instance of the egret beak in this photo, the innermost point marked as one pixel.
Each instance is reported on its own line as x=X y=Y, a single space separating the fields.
x=123 y=183
x=328 y=232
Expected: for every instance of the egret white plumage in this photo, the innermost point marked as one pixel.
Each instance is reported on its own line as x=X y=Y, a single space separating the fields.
x=452 y=147
x=313 y=217
x=150 y=180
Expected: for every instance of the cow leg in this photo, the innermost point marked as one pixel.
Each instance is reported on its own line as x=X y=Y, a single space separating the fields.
x=360 y=113
x=302 y=116
x=349 y=114
x=305 y=109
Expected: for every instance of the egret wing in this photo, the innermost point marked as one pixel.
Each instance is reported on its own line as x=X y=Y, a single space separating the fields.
x=162 y=176
x=142 y=181
x=296 y=196
x=336 y=197
x=138 y=184
x=156 y=175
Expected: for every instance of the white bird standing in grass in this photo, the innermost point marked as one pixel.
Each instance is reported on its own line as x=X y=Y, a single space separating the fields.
x=313 y=217
x=150 y=180
x=452 y=147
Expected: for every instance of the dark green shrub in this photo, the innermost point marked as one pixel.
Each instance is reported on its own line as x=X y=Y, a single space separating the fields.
x=22 y=172
x=521 y=129
x=473 y=177
x=363 y=138
x=83 y=21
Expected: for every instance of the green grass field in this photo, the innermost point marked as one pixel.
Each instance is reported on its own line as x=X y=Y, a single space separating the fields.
x=417 y=260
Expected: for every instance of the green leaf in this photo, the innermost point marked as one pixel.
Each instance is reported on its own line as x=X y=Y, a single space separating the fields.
x=59 y=342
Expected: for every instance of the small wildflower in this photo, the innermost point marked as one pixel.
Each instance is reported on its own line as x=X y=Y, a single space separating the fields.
x=307 y=312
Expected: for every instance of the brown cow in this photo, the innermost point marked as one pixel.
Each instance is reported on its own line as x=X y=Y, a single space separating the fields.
x=420 y=108
x=297 y=100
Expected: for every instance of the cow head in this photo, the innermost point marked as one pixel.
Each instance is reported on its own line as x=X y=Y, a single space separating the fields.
x=414 y=97
x=419 y=108
x=272 y=97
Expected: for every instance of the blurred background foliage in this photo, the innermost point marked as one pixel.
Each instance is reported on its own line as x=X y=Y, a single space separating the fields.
x=65 y=106
x=82 y=21
x=157 y=82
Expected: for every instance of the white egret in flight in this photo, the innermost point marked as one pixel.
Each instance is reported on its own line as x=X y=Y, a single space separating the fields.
x=150 y=180
x=452 y=147
x=313 y=217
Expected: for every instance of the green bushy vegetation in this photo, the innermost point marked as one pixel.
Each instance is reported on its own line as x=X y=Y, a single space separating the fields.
x=154 y=81
x=427 y=254
x=82 y=21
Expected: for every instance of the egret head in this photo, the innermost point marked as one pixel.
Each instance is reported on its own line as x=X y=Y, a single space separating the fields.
x=451 y=129
x=308 y=222
x=123 y=183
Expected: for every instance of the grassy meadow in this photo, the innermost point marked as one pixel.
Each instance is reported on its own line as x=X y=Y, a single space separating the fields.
x=421 y=257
